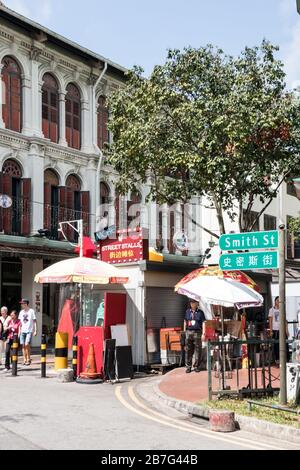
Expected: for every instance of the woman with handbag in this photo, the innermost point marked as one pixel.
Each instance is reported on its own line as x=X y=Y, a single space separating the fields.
x=4 y=320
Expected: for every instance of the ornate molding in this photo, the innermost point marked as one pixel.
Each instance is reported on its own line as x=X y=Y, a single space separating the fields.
x=34 y=53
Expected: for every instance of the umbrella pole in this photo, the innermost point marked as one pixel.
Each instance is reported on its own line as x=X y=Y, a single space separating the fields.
x=223 y=351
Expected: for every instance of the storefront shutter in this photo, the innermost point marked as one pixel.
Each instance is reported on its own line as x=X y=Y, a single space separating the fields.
x=164 y=308
x=26 y=206
x=85 y=211
x=47 y=206
x=7 y=213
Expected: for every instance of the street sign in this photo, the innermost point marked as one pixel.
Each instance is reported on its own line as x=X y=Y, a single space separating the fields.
x=249 y=240
x=249 y=261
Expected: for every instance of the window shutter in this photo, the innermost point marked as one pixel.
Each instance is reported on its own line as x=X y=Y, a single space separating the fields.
x=5 y=106
x=70 y=212
x=47 y=206
x=62 y=211
x=26 y=206
x=7 y=213
x=85 y=211
x=1 y=209
x=15 y=104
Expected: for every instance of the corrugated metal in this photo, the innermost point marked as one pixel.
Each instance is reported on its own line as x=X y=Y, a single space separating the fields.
x=164 y=308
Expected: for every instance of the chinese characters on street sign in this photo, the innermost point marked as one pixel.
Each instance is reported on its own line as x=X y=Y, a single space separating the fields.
x=251 y=259
x=248 y=261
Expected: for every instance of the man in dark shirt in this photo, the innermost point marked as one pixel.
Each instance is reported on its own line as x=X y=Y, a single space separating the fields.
x=193 y=323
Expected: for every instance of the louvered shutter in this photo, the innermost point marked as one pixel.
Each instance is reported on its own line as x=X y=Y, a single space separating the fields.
x=7 y=212
x=26 y=206
x=85 y=211
x=15 y=104
x=1 y=209
x=70 y=213
x=6 y=104
x=62 y=211
x=47 y=206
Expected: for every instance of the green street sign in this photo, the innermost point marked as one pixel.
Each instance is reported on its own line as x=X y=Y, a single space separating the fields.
x=249 y=261
x=249 y=240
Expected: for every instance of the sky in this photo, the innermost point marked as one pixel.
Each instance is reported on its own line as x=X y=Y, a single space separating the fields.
x=139 y=32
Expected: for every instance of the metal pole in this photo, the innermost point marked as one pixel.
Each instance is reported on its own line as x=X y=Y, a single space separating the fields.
x=43 y=356
x=209 y=370
x=14 y=359
x=282 y=311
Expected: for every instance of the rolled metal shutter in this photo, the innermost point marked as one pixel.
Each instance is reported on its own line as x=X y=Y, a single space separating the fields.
x=163 y=303
x=164 y=309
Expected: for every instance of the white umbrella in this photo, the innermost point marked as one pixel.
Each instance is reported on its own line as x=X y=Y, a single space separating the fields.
x=221 y=291
x=82 y=270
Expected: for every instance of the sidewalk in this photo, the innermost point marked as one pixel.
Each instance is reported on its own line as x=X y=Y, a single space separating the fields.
x=194 y=387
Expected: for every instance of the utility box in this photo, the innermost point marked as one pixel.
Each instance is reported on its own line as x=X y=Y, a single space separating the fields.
x=293 y=381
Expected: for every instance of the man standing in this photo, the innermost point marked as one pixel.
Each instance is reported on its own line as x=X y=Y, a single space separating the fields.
x=193 y=323
x=28 y=328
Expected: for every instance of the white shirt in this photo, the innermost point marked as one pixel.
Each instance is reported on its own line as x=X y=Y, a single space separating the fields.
x=274 y=314
x=27 y=318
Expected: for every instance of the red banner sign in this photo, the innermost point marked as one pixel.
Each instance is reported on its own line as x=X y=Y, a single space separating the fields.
x=130 y=246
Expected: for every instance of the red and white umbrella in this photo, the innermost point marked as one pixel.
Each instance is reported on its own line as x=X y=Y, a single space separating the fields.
x=83 y=271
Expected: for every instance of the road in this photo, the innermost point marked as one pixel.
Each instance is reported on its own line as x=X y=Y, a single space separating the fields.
x=45 y=414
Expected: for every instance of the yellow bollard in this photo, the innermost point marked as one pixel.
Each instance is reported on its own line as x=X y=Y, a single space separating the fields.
x=61 y=351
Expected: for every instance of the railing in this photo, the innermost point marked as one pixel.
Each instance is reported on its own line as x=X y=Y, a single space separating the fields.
x=15 y=220
x=53 y=215
x=247 y=365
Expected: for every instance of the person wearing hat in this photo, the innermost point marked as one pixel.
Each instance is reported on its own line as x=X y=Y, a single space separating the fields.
x=28 y=328
x=193 y=323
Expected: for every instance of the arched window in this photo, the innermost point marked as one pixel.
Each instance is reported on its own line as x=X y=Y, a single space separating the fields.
x=50 y=108
x=15 y=219
x=12 y=168
x=73 y=116
x=104 y=193
x=12 y=94
x=134 y=210
x=102 y=121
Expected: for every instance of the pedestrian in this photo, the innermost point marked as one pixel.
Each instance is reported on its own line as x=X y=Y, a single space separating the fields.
x=4 y=320
x=13 y=328
x=274 y=323
x=193 y=325
x=28 y=328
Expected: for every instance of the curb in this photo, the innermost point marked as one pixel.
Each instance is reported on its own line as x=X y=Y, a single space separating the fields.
x=244 y=423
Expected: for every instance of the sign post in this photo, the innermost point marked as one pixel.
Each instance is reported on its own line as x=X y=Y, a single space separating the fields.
x=282 y=315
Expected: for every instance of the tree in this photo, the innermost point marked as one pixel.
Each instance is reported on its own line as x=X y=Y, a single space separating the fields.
x=205 y=123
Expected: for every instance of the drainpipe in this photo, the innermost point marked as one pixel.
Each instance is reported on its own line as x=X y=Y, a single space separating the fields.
x=97 y=189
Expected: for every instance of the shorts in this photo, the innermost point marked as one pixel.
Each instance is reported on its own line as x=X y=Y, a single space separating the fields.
x=25 y=339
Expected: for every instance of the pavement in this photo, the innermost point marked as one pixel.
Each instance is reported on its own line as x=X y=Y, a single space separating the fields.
x=194 y=387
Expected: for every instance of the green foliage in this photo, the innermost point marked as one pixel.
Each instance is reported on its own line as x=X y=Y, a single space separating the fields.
x=294 y=227
x=207 y=123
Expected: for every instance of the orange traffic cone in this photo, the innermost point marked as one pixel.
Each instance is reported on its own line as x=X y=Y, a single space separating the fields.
x=90 y=368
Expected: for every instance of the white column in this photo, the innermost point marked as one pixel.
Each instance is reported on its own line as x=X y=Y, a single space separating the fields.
x=178 y=226
x=26 y=96
x=33 y=292
x=36 y=163
x=62 y=119
x=194 y=232
x=86 y=141
x=165 y=223
x=36 y=100
x=2 y=97
x=153 y=224
x=90 y=182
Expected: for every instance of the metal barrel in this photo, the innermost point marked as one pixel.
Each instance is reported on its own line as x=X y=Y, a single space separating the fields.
x=75 y=356
x=14 y=357
x=61 y=351
x=43 y=356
